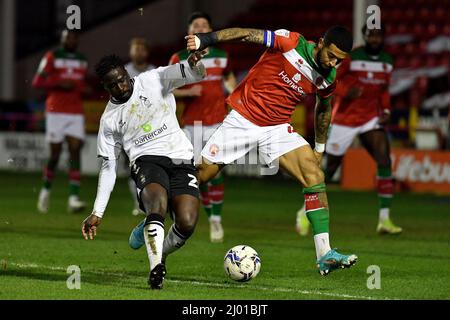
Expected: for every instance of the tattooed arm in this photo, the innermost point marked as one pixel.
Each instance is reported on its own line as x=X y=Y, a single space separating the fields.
x=242 y=34
x=322 y=119
x=201 y=41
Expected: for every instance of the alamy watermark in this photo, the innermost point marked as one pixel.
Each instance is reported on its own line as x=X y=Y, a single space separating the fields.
x=374 y=19
x=374 y=280
x=74 y=280
x=73 y=22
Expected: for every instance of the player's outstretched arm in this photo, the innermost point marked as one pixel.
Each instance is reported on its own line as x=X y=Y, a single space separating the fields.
x=200 y=41
x=106 y=182
x=322 y=119
x=178 y=75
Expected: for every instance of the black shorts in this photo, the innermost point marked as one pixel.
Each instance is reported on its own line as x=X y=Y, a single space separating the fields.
x=177 y=178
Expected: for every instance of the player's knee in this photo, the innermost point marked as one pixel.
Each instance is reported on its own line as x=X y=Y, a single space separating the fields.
x=207 y=171
x=203 y=176
x=187 y=221
x=155 y=201
x=314 y=176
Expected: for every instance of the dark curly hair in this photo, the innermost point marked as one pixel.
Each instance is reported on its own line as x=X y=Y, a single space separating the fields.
x=106 y=64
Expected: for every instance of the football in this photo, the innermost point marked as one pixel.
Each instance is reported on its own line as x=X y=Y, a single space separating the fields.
x=242 y=263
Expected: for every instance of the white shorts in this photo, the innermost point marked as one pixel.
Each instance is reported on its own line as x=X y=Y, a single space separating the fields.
x=341 y=137
x=60 y=125
x=199 y=135
x=238 y=136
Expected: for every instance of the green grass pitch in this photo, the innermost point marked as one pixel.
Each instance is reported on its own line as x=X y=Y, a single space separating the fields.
x=36 y=249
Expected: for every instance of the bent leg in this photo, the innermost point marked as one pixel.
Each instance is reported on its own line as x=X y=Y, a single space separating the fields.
x=302 y=164
x=208 y=170
x=185 y=208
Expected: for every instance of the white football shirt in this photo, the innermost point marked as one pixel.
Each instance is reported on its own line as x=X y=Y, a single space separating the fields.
x=147 y=124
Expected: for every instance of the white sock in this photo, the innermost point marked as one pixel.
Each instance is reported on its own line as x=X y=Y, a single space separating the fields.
x=214 y=218
x=132 y=187
x=73 y=198
x=154 y=237
x=173 y=241
x=44 y=192
x=322 y=243
x=384 y=214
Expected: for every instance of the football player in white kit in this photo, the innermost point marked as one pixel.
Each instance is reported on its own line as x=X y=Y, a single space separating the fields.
x=140 y=118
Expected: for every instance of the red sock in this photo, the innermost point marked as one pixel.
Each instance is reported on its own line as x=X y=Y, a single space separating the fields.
x=74 y=182
x=216 y=194
x=205 y=198
x=74 y=176
x=385 y=186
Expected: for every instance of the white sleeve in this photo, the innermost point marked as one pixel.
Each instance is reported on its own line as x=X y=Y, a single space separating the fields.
x=106 y=182
x=178 y=75
x=108 y=147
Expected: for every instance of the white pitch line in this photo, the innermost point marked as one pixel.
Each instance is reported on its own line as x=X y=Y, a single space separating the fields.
x=205 y=283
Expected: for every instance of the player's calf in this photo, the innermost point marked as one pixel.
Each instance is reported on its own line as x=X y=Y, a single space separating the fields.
x=179 y=232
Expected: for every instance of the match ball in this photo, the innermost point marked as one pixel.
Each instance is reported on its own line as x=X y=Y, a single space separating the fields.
x=242 y=263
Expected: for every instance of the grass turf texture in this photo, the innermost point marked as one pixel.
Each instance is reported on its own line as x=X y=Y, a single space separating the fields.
x=36 y=249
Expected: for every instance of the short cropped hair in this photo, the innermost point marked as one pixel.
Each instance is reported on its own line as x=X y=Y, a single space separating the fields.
x=340 y=37
x=106 y=64
x=199 y=14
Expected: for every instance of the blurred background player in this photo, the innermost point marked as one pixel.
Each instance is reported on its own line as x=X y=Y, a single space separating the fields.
x=362 y=107
x=62 y=74
x=205 y=103
x=139 y=53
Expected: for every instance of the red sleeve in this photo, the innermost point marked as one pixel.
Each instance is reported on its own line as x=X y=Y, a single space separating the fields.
x=45 y=77
x=281 y=40
x=174 y=59
x=343 y=69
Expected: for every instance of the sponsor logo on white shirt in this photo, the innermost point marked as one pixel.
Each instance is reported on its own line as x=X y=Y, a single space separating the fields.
x=150 y=136
x=292 y=82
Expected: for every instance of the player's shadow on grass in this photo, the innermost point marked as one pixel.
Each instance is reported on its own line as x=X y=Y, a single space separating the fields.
x=86 y=277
